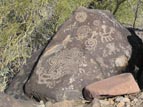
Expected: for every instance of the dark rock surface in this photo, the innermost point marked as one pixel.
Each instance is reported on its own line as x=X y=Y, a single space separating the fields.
x=8 y=101
x=90 y=46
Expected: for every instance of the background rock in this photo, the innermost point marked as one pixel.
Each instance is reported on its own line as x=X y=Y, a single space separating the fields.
x=90 y=46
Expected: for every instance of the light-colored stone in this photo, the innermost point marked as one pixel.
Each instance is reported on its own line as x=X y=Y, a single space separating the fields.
x=104 y=102
x=122 y=99
x=121 y=104
x=111 y=101
x=66 y=103
x=116 y=85
x=96 y=103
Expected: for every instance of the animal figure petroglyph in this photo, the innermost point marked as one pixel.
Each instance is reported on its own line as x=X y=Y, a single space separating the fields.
x=106 y=36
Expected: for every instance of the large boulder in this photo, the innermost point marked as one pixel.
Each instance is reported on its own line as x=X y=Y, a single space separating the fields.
x=88 y=47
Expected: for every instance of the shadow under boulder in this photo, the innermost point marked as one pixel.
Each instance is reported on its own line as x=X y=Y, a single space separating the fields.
x=135 y=64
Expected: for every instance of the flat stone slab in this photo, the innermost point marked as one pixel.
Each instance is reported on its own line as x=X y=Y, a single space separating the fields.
x=113 y=86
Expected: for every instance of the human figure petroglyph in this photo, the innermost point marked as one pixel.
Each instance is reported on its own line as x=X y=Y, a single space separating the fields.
x=112 y=48
x=81 y=16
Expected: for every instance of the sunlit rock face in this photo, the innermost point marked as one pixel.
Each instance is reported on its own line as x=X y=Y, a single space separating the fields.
x=89 y=46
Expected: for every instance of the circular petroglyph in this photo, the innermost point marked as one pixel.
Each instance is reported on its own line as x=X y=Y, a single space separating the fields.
x=83 y=31
x=81 y=16
x=96 y=22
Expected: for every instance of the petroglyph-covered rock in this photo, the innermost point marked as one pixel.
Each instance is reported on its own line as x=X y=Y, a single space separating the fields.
x=90 y=46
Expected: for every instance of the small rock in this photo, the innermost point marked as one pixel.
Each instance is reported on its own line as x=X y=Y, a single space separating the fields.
x=111 y=101
x=121 y=104
x=96 y=103
x=66 y=103
x=135 y=100
x=104 y=102
x=123 y=99
x=116 y=85
x=141 y=95
x=119 y=99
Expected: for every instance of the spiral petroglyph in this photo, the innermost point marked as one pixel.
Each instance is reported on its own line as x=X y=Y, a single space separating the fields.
x=91 y=43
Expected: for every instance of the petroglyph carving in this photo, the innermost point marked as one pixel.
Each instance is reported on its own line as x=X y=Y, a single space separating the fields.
x=65 y=62
x=111 y=49
x=96 y=23
x=91 y=42
x=101 y=61
x=70 y=27
x=83 y=31
x=67 y=40
x=81 y=16
x=106 y=36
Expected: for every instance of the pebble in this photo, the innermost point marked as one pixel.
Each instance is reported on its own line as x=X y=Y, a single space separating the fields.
x=104 y=102
x=122 y=99
x=96 y=103
x=121 y=104
x=111 y=101
x=141 y=96
x=135 y=100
